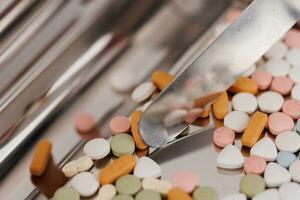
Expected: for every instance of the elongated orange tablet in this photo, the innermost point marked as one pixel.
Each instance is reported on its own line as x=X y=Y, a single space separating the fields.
x=244 y=84
x=254 y=129
x=135 y=119
x=41 y=157
x=221 y=106
x=178 y=194
x=119 y=167
x=161 y=79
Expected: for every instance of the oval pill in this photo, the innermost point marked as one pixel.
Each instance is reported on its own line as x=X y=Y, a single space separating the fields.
x=252 y=185
x=85 y=123
x=223 y=136
x=97 y=148
x=122 y=80
x=285 y=158
x=85 y=183
x=41 y=157
x=293 y=58
x=262 y=78
x=244 y=84
x=161 y=79
x=236 y=121
x=119 y=124
x=294 y=74
x=135 y=120
x=277 y=67
x=291 y=107
x=255 y=165
x=283 y=85
x=245 y=102
x=288 y=141
x=143 y=92
x=270 y=102
x=122 y=144
x=221 y=106
x=279 y=122
x=128 y=184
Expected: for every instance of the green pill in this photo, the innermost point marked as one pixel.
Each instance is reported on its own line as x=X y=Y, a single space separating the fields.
x=66 y=193
x=128 y=184
x=252 y=185
x=148 y=195
x=123 y=197
x=122 y=144
x=205 y=193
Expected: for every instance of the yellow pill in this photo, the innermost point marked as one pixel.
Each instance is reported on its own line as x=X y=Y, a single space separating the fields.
x=254 y=129
x=221 y=106
x=135 y=119
x=178 y=194
x=41 y=157
x=161 y=79
x=244 y=84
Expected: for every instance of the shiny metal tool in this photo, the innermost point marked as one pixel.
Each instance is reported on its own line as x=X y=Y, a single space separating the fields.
x=262 y=24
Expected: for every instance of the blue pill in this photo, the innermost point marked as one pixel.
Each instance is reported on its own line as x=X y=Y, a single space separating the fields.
x=285 y=158
x=298 y=126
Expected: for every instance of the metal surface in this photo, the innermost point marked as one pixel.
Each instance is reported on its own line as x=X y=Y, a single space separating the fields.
x=262 y=24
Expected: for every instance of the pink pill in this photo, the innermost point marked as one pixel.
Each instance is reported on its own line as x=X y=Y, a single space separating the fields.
x=279 y=122
x=262 y=78
x=292 y=108
x=85 y=123
x=255 y=165
x=187 y=181
x=223 y=136
x=292 y=38
x=283 y=85
x=119 y=124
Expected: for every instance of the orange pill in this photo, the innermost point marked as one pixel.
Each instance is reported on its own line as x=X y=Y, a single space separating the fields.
x=119 y=167
x=244 y=84
x=161 y=79
x=178 y=194
x=221 y=106
x=135 y=119
x=254 y=129
x=41 y=157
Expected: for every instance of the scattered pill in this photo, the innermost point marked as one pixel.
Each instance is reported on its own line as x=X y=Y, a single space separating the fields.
x=85 y=183
x=122 y=144
x=270 y=102
x=295 y=94
x=192 y=115
x=239 y=196
x=205 y=193
x=221 y=106
x=187 y=181
x=252 y=185
x=223 y=136
x=292 y=38
x=289 y=191
x=244 y=84
x=72 y=168
x=148 y=195
x=245 y=102
x=107 y=191
x=146 y=167
x=285 y=159
x=255 y=165
x=236 y=121
x=268 y=195
x=97 y=148
x=295 y=170
x=135 y=119
x=41 y=157
x=288 y=141
x=262 y=78
x=175 y=117
x=69 y=169
x=65 y=193
x=230 y=158
x=161 y=79
x=293 y=58
x=128 y=184
x=178 y=194
x=250 y=71
x=276 y=175
x=122 y=80
x=291 y=107
x=119 y=124
x=294 y=74
x=264 y=148
x=85 y=123
x=279 y=122
x=282 y=84
x=157 y=185
x=277 y=67
x=278 y=50
x=123 y=197
x=143 y=92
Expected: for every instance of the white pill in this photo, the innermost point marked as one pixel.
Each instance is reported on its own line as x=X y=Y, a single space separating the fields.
x=239 y=196
x=294 y=74
x=293 y=57
x=122 y=80
x=265 y=148
x=295 y=94
x=288 y=141
x=244 y=102
x=150 y=183
x=289 y=191
x=250 y=71
x=270 y=102
x=85 y=183
x=143 y=92
x=161 y=186
x=106 y=192
x=268 y=194
x=230 y=158
x=236 y=120
x=69 y=169
x=295 y=170
x=276 y=175
x=277 y=67
x=97 y=148
x=175 y=117
x=84 y=163
x=278 y=50
x=146 y=167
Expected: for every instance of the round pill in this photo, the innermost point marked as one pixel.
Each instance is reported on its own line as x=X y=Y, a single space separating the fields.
x=277 y=67
x=252 y=185
x=122 y=80
x=283 y=85
x=268 y=194
x=128 y=184
x=205 y=193
x=293 y=57
x=262 y=78
x=236 y=121
x=278 y=50
x=187 y=181
x=223 y=136
x=279 y=122
x=285 y=158
x=230 y=158
x=295 y=94
x=143 y=92
x=255 y=165
x=97 y=148
x=84 y=163
x=119 y=124
x=288 y=141
x=107 y=191
x=289 y=191
x=148 y=195
x=85 y=183
x=291 y=107
x=270 y=102
x=146 y=167
x=294 y=74
x=295 y=170
x=123 y=197
x=64 y=193
x=84 y=123
x=264 y=148
x=122 y=144
x=276 y=175
x=245 y=102
x=292 y=38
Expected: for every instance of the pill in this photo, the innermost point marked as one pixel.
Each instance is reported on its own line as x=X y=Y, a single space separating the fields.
x=148 y=195
x=262 y=78
x=128 y=184
x=244 y=84
x=135 y=119
x=268 y=194
x=178 y=194
x=192 y=115
x=239 y=196
x=161 y=79
x=276 y=175
x=285 y=159
x=236 y=121
x=292 y=38
x=223 y=136
x=107 y=191
x=251 y=185
x=158 y=185
x=295 y=94
x=279 y=122
x=119 y=167
x=205 y=193
x=277 y=67
x=278 y=50
x=295 y=170
x=146 y=167
x=294 y=74
x=264 y=148
x=69 y=169
x=255 y=165
x=230 y=158
x=283 y=85
x=175 y=117
x=122 y=144
x=289 y=191
x=119 y=124
x=142 y=152
x=123 y=197
x=221 y=106
x=288 y=141
x=186 y=181
x=122 y=80
x=85 y=123
x=97 y=148
x=64 y=193
x=143 y=92
x=250 y=71
x=205 y=113
x=292 y=108
x=72 y=168
x=85 y=183
x=41 y=157
x=270 y=102
x=298 y=126
x=245 y=102
x=293 y=58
